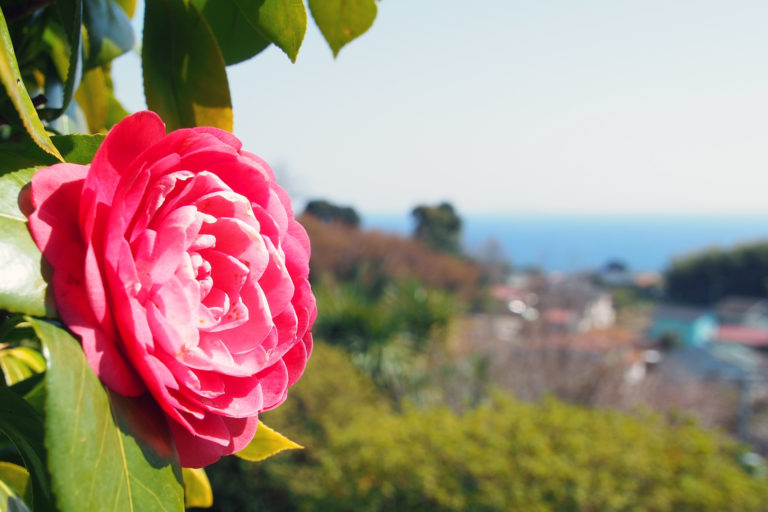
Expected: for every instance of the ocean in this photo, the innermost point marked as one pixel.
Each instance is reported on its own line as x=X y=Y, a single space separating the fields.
x=571 y=243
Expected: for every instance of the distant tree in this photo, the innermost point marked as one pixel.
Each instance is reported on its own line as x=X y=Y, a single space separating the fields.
x=708 y=276
x=329 y=213
x=438 y=227
x=616 y=265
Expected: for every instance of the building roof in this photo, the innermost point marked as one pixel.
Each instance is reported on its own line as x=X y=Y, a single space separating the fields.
x=604 y=340
x=717 y=361
x=559 y=316
x=573 y=293
x=742 y=335
x=679 y=312
x=736 y=305
x=506 y=293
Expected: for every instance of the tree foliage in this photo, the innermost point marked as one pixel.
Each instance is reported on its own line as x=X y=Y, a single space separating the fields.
x=708 y=276
x=329 y=212
x=439 y=227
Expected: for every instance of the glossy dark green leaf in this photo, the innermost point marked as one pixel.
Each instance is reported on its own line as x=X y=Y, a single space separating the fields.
x=24 y=427
x=16 y=331
x=17 y=92
x=341 y=21
x=69 y=14
x=238 y=39
x=283 y=22
x=26 y=156
x=185 y=79
x=22 y=286
x=105 y=452
x=78 y=149
x=33 y=391
x=110 y=33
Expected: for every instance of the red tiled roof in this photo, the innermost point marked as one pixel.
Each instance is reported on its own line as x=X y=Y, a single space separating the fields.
x=559 y=315
x=503 y=292
x=741 y=335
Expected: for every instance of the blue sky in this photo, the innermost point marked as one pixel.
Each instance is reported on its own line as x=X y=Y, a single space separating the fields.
x=505 y=106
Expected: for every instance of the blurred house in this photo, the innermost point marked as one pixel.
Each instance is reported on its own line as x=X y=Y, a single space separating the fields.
x=561 y=320
x=722 y=362
x=742 y=335
x=574 y=304
x=518 y=301
x=742 y=321
x=684 y=325
x=743 y=311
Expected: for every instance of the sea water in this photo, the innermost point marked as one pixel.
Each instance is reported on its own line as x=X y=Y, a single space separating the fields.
x=579 y=242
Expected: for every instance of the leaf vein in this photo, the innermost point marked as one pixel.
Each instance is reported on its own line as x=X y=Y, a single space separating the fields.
x=123 y=457
x=150 y=491
x=78 y=405
x=13 y=217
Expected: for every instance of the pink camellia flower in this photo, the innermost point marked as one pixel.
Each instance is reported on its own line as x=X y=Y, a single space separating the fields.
x=177 y=260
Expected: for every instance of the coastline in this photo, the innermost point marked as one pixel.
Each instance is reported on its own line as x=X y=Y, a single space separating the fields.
x=569 y=243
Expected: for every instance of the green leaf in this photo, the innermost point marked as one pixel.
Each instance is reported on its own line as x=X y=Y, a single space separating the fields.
x=341 y=21
x=13 y=370
x=110 y=33
x=238 y=39
x=17 y=478
x=24 y=158
x=10 y=501
x=185 y=79
x=20 y=363
x=70 y=18
x=266 y=443
x=13 y=180
x=197 y=488
x=22 y=286
x=30 y=357
x=93 y=96
x=122 y=444
x=115 y=111
x=243 y=28
x=129 y=6
x=24 y=427
x=14 y=86
x=283 y=22
x=78 y=149
x=33 y=392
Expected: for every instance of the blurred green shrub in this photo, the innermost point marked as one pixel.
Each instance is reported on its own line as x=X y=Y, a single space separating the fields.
x=503 y=455
x=387 y=331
